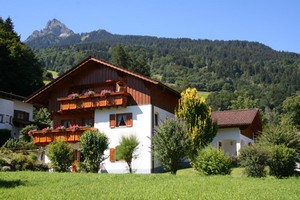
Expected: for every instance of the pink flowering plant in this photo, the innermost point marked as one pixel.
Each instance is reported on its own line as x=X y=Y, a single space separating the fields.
x=73 y=96
x=46 y=130
x=75 y=127
x=106 y=92
x=89 y=93
x=62 y=127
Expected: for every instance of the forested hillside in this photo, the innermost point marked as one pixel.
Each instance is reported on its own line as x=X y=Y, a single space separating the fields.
x=240 y=74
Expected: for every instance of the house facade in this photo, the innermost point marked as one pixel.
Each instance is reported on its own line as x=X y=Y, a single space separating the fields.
x=237 y=129
x=117 y=102
x=15 y=114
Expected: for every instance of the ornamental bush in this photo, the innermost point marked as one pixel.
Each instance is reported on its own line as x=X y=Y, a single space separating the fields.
x=25 y=132
x=282 y=161
x=169 y=144
x=254 y=159
x=126 y=149
x=212 y=161
x=92 y=145
x=60 y=153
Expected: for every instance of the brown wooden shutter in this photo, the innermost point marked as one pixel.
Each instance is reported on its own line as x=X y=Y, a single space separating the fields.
x=112 y=120
x=129 y=119
x=112 y=155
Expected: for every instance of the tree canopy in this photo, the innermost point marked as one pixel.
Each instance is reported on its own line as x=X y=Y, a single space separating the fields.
x=21 y=73
x=196 y=114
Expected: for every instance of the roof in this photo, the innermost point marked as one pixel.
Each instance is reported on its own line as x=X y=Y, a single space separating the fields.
x=234 y=118
x=91 y=59
x=10 y=96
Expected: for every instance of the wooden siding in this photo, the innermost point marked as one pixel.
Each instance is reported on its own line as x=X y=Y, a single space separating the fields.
x=75 y=117
x=164 y=99
x=99 y=77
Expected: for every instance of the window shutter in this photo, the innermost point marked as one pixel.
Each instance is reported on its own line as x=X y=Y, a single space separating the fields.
x=112 y=121
x=129 y=119
x=112 y=155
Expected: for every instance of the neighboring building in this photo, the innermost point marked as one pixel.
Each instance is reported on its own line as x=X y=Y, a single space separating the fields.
x=112 y=99
x=14 y=113
x=237 y=128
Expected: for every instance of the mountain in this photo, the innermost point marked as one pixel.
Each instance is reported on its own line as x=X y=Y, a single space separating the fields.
x=54 y=28
x=259 y=75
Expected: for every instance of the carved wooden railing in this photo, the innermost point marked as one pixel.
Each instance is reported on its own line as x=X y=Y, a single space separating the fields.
x=68 y=135
x=95 y=101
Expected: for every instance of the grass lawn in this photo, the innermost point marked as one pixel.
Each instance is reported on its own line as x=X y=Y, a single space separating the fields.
x=203 y=94
x=187 y=184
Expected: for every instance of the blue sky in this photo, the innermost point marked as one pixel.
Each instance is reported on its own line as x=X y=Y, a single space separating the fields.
x=275 y=23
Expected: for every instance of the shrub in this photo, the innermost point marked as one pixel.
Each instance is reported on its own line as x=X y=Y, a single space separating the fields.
x=4 y=136
x=17 y=144
x=126 y=149
x=254 y=159
x=22 y=161
x=92 y=145
x=60 y=155
x=212 y=161
x=25 y=132
x=282 y=161
x=280 y=135
x=169 y=144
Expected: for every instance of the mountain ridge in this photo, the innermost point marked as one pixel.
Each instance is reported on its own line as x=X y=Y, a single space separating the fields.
x=53 y=27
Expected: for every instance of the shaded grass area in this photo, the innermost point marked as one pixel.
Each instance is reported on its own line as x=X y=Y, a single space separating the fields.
x=187 y=184
x=203 y=94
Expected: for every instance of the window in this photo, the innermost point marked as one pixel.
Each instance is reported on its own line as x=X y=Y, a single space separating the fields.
x=66 y=123
x=18 y=114
x=88 y=122
x=1 y=118
x=156 y=117
x=120 y=120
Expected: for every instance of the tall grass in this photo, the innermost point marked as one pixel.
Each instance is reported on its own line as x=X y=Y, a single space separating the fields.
x=187 y=184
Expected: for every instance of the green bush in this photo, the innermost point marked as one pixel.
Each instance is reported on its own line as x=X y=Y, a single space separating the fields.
x=92 y=145
x=4 y=136
x=60 y=154
x=125 y=151
x=212 y=161
x=25 y=136
x=22 y=161
x=169 y=144
x=17 y=144
x=280 y=135
x=254 y=159
x=282 y=161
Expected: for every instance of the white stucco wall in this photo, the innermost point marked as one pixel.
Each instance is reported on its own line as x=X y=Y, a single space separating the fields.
x=141 y=127
x=26 y=107
x=7 y=110
x=231 y=140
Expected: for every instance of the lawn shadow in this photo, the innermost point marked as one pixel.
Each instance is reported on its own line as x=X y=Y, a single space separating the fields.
x=10 y=184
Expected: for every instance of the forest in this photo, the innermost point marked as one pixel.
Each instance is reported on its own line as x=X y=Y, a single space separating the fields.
x=238 y=74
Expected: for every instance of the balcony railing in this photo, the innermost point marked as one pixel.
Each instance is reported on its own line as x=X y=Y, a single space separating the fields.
x=67 y=135
x=92 y=102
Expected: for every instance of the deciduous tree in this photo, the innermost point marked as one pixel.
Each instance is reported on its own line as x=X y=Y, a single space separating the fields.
x=200 y=128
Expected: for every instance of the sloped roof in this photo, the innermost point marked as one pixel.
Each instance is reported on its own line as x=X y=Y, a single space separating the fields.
x=82 y=64
x=12 y=96
x=234 y=118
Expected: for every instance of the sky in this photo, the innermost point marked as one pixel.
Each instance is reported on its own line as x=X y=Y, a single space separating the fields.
x=275 y=23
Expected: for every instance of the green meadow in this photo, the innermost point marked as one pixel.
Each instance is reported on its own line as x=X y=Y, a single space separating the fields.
x=187 y=184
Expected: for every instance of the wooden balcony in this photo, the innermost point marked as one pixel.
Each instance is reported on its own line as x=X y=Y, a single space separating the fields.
x=93 y=102
x=67 y=135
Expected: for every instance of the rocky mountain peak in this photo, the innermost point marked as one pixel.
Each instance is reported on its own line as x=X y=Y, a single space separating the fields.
x=53 y=27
